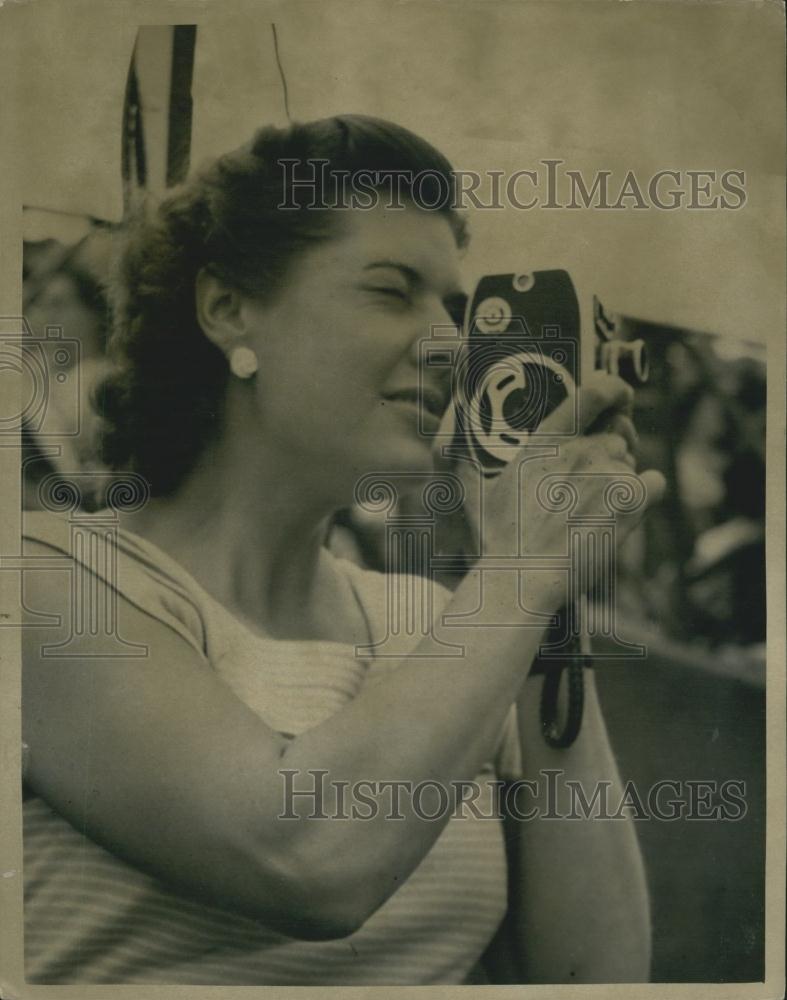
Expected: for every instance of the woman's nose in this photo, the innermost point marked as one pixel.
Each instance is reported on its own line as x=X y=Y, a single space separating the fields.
x=435 y=354
x=440 y=327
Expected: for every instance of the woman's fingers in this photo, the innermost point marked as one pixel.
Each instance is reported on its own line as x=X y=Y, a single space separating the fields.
x=621 y=424
x=655 y=486
x=599 y=452
x=613 y=448
x=599 y=393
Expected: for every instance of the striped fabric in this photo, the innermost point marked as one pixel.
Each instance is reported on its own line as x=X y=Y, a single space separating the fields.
x=92 y=918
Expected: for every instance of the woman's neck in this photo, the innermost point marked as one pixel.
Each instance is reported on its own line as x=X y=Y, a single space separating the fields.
x=254 y=542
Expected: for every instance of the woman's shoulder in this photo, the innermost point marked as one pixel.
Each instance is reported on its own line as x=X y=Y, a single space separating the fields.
x=43 y=527
x=94 y=547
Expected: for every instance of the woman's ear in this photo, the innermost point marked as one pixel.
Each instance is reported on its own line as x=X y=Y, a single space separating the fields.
x=218 y=310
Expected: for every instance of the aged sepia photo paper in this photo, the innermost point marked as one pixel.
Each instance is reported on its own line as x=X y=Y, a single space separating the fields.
x=392 y=552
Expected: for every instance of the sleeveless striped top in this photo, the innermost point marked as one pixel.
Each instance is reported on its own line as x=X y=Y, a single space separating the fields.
x=92 y=918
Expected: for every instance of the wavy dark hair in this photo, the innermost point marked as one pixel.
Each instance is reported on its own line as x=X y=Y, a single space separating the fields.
x=165 y=400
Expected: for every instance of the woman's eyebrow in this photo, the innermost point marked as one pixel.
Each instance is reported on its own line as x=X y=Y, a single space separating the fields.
x=456 y=299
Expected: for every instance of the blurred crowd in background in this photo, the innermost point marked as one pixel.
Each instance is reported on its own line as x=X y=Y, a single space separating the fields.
x=700 y=567
x=66 y=310
x=695 y=570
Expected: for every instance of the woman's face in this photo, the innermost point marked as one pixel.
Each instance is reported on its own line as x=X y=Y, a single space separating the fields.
x=339 y=352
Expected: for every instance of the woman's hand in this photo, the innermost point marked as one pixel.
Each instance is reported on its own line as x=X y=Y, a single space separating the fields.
x=513 y=519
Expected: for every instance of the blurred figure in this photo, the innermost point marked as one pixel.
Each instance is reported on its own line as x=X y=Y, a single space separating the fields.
x=726 y=573
x=63 y=287
x=727 y=570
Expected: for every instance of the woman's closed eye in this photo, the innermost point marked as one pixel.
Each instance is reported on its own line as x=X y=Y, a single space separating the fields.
x=389 y=291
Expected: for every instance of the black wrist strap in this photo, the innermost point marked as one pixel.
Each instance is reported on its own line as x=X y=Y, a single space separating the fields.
x=573 y=673
x=557 y=671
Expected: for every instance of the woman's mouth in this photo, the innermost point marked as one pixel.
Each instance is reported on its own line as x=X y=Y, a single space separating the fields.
x=430 y=400
x=427 y=405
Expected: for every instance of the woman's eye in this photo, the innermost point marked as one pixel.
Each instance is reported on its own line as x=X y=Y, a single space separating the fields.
x=396 y=293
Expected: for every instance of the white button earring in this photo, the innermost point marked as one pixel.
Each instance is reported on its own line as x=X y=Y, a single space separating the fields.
x=243 y=362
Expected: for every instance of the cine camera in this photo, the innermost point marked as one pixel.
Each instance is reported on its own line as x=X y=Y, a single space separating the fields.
x=519 y=357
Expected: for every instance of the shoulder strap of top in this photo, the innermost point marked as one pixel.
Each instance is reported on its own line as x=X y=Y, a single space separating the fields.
x=134 y=568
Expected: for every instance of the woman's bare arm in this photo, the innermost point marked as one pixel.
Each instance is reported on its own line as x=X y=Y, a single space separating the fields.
x=156 y=759
x=582 y=904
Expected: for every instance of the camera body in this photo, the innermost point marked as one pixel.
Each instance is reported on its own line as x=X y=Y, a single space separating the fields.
x=521 y=356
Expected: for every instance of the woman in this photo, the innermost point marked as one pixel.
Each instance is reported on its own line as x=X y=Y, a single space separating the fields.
x=269 y=360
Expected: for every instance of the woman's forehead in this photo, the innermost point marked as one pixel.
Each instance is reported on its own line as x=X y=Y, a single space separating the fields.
x=419 y=240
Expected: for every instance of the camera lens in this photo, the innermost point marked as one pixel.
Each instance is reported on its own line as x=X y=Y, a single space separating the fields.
x=633 y=364
x=641 y=361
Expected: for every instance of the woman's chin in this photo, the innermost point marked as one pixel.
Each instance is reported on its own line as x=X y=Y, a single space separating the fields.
x=395 y=456
x=403 y=455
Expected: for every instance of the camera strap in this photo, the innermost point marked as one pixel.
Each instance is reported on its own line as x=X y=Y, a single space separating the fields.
x=561 y=728
x=555 y=734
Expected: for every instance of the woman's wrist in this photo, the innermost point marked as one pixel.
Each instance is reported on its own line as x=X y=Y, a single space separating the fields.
x=501 y=599
x=537 y=591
